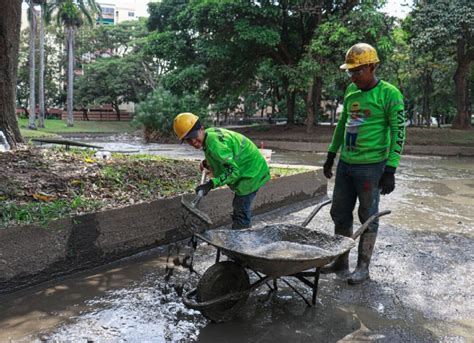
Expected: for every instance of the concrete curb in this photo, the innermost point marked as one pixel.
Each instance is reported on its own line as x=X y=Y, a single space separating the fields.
x=33 y=254
x=408 y=149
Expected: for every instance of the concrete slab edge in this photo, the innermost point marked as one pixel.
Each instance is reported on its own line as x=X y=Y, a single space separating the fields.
x=32 y=254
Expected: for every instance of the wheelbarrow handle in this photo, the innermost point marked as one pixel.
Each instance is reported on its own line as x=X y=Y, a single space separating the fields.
x=316 y=210
x=364 y=226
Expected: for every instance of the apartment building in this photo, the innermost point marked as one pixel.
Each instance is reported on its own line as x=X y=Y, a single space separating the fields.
x=114 y=12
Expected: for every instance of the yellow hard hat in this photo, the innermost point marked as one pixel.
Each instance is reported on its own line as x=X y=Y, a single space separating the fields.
x=184 y=123
x=360 y=54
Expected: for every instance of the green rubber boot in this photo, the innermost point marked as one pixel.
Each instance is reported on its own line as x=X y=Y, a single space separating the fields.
x=366 y=248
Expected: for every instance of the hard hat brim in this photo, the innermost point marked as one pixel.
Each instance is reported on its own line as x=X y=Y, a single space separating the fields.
x=346 y=66
x=194 y=132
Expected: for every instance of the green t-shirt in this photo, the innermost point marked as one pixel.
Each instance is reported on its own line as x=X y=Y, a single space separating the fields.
x=235 y=161
x=371 y=127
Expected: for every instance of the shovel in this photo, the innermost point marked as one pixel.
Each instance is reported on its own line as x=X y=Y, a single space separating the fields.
x=191 y=206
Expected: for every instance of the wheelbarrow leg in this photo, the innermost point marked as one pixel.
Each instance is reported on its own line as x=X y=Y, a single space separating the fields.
x=218 y=255
x=315 y=285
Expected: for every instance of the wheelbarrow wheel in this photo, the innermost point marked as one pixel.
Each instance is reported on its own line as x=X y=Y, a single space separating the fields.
x=221 y=279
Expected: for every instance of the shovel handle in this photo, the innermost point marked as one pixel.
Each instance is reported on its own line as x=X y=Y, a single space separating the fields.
x=364 y=226
x=200 y=194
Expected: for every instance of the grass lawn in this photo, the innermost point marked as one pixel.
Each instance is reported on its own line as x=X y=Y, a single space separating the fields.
x=54 y=127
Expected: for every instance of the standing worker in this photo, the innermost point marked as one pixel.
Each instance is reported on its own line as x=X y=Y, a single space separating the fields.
x=232 y=159
x=371 y=134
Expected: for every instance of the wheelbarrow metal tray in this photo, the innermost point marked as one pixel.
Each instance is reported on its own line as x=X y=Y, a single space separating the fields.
x=280 y=249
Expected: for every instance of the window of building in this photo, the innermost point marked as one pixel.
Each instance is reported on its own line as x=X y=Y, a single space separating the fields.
x=131 y=14
x=107 y=11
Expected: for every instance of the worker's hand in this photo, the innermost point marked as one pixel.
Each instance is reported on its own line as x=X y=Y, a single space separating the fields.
x=327 y=167
x=204 y=165
x=387 y=181
x=205 y=187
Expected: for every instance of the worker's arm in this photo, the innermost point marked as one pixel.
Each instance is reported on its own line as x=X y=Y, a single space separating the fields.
x=338 y=136
x=224 y=156
x=396 y=120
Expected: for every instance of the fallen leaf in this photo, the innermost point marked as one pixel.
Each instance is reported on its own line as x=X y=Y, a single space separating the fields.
x=44 y=197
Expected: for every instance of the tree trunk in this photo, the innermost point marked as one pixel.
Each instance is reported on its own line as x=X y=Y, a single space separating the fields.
x=10 y=20
x=310 y=107
x=462 y=119
x=290 y=104
x=32 y=104
x=85 y=116
x=426 y=111
x=318 y=91
x=41 y=70
x=70 y=74
x=115 y=105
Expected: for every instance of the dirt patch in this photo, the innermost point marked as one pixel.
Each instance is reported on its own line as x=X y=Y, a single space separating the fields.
x=39 y=185
x=45 y=184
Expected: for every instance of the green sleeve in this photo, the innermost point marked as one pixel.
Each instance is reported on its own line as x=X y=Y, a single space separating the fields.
x=338 y=136
x=396 y=120
x=223 y=155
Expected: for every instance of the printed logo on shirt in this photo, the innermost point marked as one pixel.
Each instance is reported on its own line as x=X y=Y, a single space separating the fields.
x=357 y=118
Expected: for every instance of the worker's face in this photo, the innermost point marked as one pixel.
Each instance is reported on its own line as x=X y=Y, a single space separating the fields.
x=363 y=76
x=197 y=141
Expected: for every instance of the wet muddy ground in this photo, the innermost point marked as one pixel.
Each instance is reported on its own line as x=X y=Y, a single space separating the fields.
x=421 y=287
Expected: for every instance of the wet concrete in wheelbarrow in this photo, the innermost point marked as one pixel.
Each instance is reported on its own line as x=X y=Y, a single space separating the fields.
x=421 y=286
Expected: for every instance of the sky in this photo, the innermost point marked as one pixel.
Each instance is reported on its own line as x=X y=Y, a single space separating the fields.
x=397 y=8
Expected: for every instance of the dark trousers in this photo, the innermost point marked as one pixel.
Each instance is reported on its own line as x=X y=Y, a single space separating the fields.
x=242 y=216
x=356 y=182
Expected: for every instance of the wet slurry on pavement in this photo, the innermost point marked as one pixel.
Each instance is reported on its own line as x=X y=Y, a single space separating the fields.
x=421 y=287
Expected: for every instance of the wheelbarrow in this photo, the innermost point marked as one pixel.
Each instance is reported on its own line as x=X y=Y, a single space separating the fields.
x=271 y=252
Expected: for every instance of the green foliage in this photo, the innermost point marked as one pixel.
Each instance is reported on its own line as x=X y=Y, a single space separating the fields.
x=43 y=212
x=157 y=112
x=71 y=13
x=259 y=51
x=116 y=80
x=440 y=32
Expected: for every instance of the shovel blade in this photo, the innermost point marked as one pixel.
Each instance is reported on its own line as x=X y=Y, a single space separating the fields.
x=196 y=212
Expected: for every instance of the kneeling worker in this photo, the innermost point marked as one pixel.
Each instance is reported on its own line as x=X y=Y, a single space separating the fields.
x=233 y=160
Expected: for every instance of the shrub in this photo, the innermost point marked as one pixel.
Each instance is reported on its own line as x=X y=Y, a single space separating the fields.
x=155 y=115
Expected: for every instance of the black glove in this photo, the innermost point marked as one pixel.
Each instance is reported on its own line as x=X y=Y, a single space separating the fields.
x=205 y=187
x=327 y=168
x=387 y=181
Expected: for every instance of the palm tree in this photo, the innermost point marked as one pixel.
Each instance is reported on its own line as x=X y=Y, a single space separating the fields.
x=32 y=105
x=44 y=17
x=71 y=14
